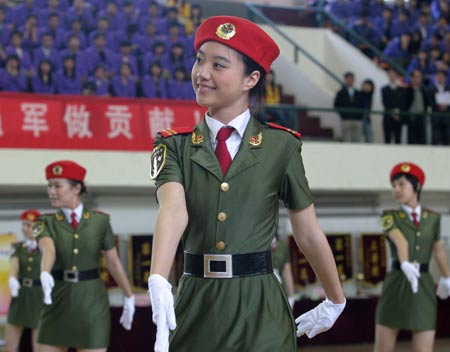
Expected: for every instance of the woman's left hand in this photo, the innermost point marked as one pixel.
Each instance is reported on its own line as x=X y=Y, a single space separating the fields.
x=128 y=312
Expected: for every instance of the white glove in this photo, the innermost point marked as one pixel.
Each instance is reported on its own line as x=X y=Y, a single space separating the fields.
x=163 y=311
x=128 y=312
x=412 y=273
x=30 y=244
x=291 y=300
x=14 y=286
x=443 y=289
x=319 y=319
x=47 y=283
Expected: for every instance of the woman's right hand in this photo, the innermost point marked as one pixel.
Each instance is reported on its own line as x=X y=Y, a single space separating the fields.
x=163 y=310
x=47 y=283
x=412 y=273
x=14 y=286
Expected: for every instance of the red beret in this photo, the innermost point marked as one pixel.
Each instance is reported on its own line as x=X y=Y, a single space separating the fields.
x=65 y=169
x=30 y=215
x=410 y=169
x=241 y=35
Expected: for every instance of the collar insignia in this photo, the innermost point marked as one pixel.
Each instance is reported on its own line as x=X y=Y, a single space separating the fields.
x=255 y=140
x=197 y=138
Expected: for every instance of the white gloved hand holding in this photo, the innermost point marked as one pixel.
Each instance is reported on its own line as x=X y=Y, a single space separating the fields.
x=163 y=311
x=128 y=312
x=319 y=319
x=14 y=286
x=412 y=273
x=443 y=289
x=47 y=283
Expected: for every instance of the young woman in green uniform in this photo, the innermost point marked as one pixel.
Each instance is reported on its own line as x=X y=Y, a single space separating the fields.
x=25 y=287
x=408 y=299
x=76 y=310
x=221 y=196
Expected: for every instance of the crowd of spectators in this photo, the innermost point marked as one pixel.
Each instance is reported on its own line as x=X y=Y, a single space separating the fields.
x=99 y=47
x=407 y=105
x=415 y=34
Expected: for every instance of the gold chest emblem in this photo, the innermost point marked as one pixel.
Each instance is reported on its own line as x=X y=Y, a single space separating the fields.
x=86 y=215
x=58 y=217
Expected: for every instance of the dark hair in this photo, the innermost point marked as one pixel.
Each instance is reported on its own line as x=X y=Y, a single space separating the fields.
x=258 y=92
x=83 y=189
x=50 y=74
x=349 y=74
x=414 y=182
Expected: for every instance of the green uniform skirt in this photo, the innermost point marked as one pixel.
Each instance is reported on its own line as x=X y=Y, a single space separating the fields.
x=78 y=317
x=25 y=309
x=249 y=314
x=400 y=308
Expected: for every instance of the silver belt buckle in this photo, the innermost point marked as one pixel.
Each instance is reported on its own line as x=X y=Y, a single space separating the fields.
x=226 y=258
x=27 y=282
x=70 y=276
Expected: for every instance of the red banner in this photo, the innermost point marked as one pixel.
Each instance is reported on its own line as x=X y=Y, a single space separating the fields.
x=85 y=122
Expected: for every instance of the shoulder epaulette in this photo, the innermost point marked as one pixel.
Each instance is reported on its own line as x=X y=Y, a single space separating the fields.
x=279 y=127
x=96 y=211
x=172 y=132
x=431 y=211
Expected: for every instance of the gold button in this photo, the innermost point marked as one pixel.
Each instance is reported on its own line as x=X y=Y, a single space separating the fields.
x=220 y=245
x=30 y=259
x=29 y=268
x=222 y=216
x=76 y=236
x=224 y=187
x=418 y=234
x=75 y=251
x=417 y=247
x=74 y=268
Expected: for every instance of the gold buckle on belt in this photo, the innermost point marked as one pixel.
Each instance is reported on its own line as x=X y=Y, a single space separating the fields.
x=27 y=282
x=226 y=258
x=70 y=275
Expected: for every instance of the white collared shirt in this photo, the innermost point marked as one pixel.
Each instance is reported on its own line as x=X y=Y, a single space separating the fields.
x=239 y=124
x=68 y=213
x=409 y=211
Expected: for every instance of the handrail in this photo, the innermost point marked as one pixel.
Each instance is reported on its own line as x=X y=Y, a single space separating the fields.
x=360 y=39
x=254 y=11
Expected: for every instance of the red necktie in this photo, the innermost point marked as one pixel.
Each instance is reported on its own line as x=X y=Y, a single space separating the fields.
x=74 y=222
x=222 y=153
x=414 y=216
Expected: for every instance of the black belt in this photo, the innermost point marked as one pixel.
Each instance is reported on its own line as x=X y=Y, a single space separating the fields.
x=28 y=282
x=75 y=275
x=226 y=266
x=397 y=266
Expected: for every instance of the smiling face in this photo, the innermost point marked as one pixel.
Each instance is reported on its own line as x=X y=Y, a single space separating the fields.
x=63 y=194
x=403 y=192
x=219 y=81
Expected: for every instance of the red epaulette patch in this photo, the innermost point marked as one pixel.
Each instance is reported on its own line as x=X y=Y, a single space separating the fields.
x=279 y=127
x=172 y=132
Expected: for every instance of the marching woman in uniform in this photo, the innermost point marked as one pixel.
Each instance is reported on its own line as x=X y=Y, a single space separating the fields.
x=408 y=299
x=25 y=287
x=76 y=311
x=218 y=187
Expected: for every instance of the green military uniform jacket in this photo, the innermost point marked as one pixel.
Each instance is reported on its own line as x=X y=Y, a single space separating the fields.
x=398 y=306
x=79 y=315
x=234 y=214
x=25 y=309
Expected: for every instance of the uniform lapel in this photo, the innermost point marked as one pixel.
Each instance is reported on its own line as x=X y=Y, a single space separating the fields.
x=247 y=155
x=406 y=220
x=204 y=155
x=85 y=217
